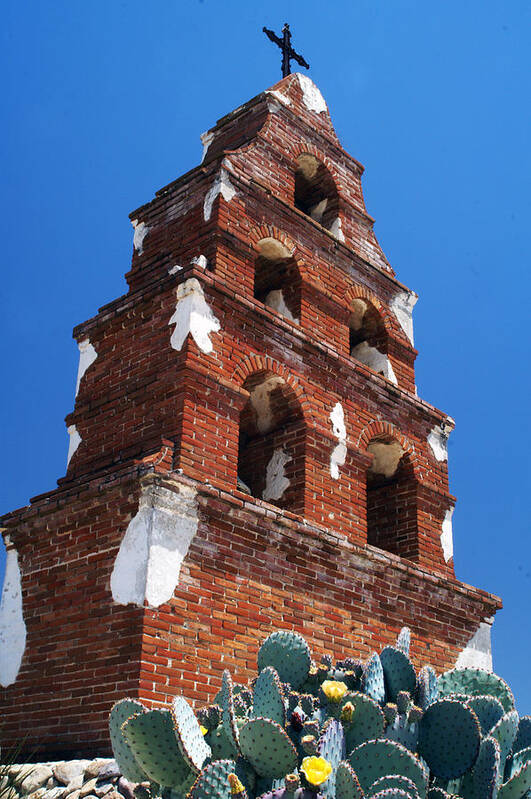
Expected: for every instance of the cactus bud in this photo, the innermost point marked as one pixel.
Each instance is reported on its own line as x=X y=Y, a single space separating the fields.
x=390 y=712
x=309 y=744
x=403 y=701
x=236 y=787
x=292 y=782
x=326 y=661
x=415 y=714
x=347 y=712
x=297 y=720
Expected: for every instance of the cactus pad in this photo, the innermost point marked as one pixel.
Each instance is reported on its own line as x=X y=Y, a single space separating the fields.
x=289 y=654
x=505 y=733
x=403 y=640
x=523 y=736
x=373 y=679
x=374 y=759
x=427 y=689
x=267 y=748
x=476 y=682
x=518 y=785
x=367 y=722
x=347 y=784
x=486 y=768
x=268 y=701
x=123 y=754
x=331 y=746
x=152 y=738
x=518 y=760
x=401 y=731
x=391 y=793
x=399 y=673
x=299 y=793
x=221 y=745
x=449 y=736
x=190 y=739
x=213 y=781
x=488 y=710
x=228 y=715
x=394 y=781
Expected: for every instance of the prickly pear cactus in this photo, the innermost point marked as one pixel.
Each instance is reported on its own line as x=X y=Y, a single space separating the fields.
x=306 y=729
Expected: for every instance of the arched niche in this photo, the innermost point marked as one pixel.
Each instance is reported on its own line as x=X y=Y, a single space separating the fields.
x=277 y=281
x=315 y=191
x=272 y=442
x=368 y=338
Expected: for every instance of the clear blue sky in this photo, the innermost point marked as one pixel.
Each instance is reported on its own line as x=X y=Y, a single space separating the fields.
x=103 y=103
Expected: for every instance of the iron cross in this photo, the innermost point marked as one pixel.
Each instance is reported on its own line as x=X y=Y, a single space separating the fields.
x=287 y=50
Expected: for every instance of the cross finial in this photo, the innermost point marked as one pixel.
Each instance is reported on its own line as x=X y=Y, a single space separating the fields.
x=287 y=50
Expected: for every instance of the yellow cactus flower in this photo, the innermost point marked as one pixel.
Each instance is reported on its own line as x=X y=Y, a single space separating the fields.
x=235 y=785
x=203 y=729
x=334 y=690
x=316 y=769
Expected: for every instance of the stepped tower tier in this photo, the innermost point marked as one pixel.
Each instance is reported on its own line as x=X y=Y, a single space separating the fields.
x=247 y=449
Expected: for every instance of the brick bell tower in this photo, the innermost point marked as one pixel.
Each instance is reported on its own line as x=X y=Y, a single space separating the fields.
x=247 y=449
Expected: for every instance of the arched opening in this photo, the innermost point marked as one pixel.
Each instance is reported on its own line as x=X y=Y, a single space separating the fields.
x=392 y=499
x=277 y=281
x=368 y=338
x=315 y=191
x=272 y=443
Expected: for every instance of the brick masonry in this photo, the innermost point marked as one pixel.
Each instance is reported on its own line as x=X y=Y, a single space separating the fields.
x=344 y=559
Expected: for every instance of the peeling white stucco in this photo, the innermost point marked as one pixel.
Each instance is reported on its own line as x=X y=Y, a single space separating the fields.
x=282 y=98
x=447 y=536
x=12 y=626
x=478 y=651
x=260 y=398
x=221 y=185
x=438 y=441
x=317 y=211
x=276 y=480
x=402 y=306
x=339 y=453
x=73 y=444
x=336 y=229
x=386 y=457
x=206 y=140
x=156 y=541
x=311 y=96
x=377 y=360
x=141 y=231
x=200 y=261
x=174 y=269
x=87 y=356
x=275 y=300
x=193 y=316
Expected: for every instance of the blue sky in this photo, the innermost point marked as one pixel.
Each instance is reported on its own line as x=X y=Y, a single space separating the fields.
x=103 y=103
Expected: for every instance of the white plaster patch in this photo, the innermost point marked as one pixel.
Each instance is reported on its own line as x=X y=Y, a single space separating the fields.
x=193 y=317
x=73 y=444
x=206 y=140
x=311 y=96
x=377 y=360
x=87 y=356
x=337 y=230
x=279 y=96
x=260 y=398
x=275 y=300
x=447 y=536
x=200 y=261
x=156 y=541
x=438 y=441
x=386 y=457
x=141 y=231
x=478 y=651
x=174 y=269
x=317 y=211
x=12 y=626
x=402 y=306
x=221 y=185
x=276 y=480
x=339 y=453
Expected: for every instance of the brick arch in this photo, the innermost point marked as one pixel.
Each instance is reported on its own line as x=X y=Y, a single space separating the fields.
x=378 y=429
x=301 y=147
x=359 y=292
x=260 y=232
x=251 y=364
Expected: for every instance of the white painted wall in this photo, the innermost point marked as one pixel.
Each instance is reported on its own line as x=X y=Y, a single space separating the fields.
x=221 y=185
x=12 y=626
x=339 y=429
x=192 y=316
x=311 y=96
x=73 y=444
x=87 y=356
x=141 y=231
x=157 y=539
x=478 y=651
x=402 y=306
x=447 y=536
x=276 y=480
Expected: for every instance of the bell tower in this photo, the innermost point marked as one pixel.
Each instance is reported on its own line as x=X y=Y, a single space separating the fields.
x=247 y=449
